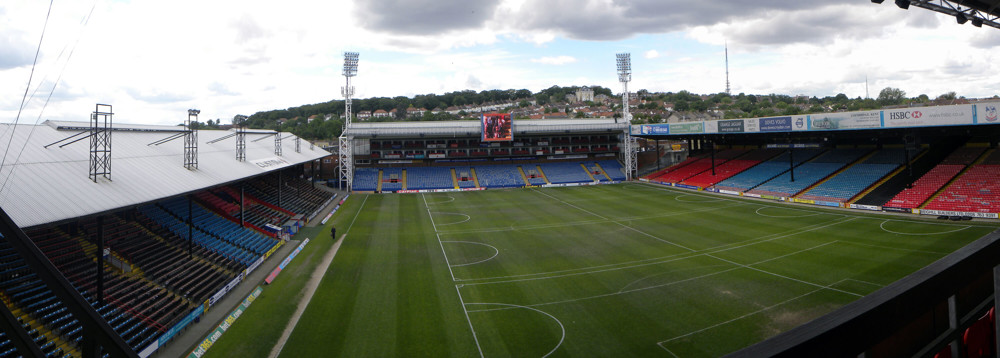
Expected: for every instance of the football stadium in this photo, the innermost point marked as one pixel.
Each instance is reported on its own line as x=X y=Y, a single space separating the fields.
x=869 y=232
x=851 y=233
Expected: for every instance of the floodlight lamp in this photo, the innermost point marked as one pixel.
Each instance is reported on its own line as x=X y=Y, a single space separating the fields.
x=961 y=18
x=903 y=4
x=193 y=112
x=877 y=1
x=977 y=22
x=350 y=64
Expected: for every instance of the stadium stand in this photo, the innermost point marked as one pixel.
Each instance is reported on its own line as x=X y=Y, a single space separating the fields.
x=937 y=177
x=811 y=172
x=533 y=175
x=977 y=190
x=613 y=169
x=757 y=175
x=655 y=175
x=858 y=177
x=365 y=179
x=730 y=168
x=464 y=177
x=392 y=179
x=963 y=193
x=679 y=174
x=562 y=173
x=424 y=178
x=498 y=176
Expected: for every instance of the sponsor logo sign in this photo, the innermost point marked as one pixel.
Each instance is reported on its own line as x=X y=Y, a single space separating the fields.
x=866 y=207
x=687 y=128
x=929 y=116
x=776 y=124
x=897 y=210
x=959 y=213
x=202 y=348
x=853 y=120
x=270 y=163
x=733 y=126
x=656 y=129
x=730 y=192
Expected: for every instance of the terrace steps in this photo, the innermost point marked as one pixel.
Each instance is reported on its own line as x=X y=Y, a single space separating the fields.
x=588 y=172
x=524 y=177
x=944 y=188
x=198 y=258
x=379 y=187
x=475 y=178
x=454 y=179
x=42 y=329
x=886 y=178
x=404 y=179
x=836 y=173
x=603 y=172
x=542 y=173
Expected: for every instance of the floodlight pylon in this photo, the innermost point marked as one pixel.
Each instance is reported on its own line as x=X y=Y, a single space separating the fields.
x=191 y=140
x=624 y=62
x=628 y=155
x=350 y=70
x=345 y=163
x=240 y=122
x=100 y=142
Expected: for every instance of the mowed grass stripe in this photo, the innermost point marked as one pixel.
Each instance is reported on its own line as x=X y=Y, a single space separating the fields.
x=599 y=283
x=388 y=295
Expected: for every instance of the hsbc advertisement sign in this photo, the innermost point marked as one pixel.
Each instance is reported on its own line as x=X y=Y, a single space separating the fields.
x=928 y=116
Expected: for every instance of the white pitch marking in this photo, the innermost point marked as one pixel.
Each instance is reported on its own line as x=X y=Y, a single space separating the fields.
x=660 y=343
x=653 y=261
x=451 y=199
x=467 y=218
x=785 y=216
x=561 y=327
x=616 y=222
x=735 y=267
x=709 y=199
x=495 y=252
x=882 y=226
x=467 y=319
x=786 y=277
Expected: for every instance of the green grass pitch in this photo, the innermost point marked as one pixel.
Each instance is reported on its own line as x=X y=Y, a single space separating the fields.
x=612 y=270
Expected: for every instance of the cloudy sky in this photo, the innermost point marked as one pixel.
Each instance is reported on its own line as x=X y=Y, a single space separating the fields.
x=153 y=60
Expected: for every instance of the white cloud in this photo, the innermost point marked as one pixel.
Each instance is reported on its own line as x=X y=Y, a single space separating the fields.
x=230 y=57
x=554 y=60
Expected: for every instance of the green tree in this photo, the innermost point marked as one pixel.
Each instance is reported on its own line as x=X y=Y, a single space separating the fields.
x=682 y=106
x=890 y=96
x=950 y=96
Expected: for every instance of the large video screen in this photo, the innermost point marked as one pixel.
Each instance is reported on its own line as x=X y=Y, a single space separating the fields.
x=497 y=127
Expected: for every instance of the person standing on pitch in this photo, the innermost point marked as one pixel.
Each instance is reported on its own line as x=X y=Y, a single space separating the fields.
x=333 y=232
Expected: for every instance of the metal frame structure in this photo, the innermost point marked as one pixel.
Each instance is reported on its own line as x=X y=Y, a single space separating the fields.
x=191 y=140
x=240 y=122
x=345 y=163
x=100 y=141
x=978 y=12
x=277 y=143
x=98 y=335
x=298 y=145
x=629 y=144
